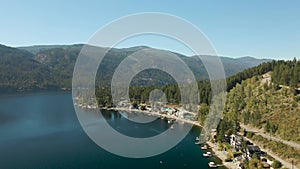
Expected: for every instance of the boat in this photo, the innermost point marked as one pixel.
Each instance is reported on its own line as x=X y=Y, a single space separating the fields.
x=212 y=165
x=204 y=147
x=207 y=154
x=197 y=142
x=197 y=138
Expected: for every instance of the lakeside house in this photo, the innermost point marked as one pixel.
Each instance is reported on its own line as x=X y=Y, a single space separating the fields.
x=236 y=141
x=251 y=150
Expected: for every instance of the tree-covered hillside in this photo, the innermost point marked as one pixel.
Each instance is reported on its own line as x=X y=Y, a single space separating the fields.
x=287 y=73
x=270 y=101
x=50 y=67
x=19 y=72
x=275 y=110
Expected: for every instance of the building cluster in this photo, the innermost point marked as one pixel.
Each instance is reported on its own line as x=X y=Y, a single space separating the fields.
x=248 y=149
x=161 y=108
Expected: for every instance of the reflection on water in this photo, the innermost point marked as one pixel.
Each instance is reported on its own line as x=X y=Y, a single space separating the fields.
x=42 y=131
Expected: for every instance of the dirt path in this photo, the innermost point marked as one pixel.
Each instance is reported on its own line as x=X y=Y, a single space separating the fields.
x=267 y=136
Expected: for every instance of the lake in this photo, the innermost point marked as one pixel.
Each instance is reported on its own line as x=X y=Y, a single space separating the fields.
x=42 y=131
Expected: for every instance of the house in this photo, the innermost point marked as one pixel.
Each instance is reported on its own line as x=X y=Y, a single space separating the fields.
x=251 y=150
x=227 y=138
x=236 y=141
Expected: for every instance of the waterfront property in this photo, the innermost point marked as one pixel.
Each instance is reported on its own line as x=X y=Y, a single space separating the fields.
x=251 y=150
x=236 y=141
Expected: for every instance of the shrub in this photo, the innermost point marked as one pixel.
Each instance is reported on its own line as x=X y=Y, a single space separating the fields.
x=276 y=164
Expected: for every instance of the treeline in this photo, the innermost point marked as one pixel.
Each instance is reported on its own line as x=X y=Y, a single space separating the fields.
x=261 y=106
x=264 y=105
x=172 y=92
x=248 y=73
x=140 y=94
x=287 y=73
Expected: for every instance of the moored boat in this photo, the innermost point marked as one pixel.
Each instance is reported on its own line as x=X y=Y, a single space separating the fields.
x=212 y=165
x=204 y=147
x=207 y=154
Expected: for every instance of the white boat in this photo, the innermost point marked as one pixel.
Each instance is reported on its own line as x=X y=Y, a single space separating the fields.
x=204 y=147
x=212 y=165
x=207 y=154
x=197 y=138
x=198 y=142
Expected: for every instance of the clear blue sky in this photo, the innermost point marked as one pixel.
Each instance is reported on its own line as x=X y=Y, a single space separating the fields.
x=263 y=29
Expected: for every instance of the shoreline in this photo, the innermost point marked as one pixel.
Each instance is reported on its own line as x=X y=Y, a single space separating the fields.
x=218 y=154
x=221 y=155
x=156 y=114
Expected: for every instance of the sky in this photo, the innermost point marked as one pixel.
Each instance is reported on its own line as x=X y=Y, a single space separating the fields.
x=262 y=29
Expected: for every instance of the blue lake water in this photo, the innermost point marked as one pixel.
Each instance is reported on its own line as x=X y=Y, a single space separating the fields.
x=42 y=131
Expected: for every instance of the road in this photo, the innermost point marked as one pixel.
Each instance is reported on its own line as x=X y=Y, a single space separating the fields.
x=257 y=131
x=283 y=162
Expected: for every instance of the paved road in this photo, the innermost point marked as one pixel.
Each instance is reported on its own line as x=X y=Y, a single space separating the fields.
x=257 y=131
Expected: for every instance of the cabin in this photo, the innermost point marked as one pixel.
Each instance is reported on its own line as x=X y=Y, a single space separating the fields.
x=251 y=150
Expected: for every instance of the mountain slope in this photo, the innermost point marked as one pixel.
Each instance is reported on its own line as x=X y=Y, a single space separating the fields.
x=51 y=67
x=268 y=100
x=64 y=57
x=266 y=106
x=19 y=72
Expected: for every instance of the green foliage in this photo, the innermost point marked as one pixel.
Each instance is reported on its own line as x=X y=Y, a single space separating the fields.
x=249 y=135
x=248 y=73
x=284 y=151
x=276 y=164
x=270 y=108
x=19 y=72
x=287 y=73
x=254 y=163
x=225 y=127
x=50 y=67
x=203 y=112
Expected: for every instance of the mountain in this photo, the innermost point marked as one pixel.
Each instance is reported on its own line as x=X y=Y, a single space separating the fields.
x=51 y=66
x=38 y=48
x=19 y=72
x=63 y=58
x=250 y=61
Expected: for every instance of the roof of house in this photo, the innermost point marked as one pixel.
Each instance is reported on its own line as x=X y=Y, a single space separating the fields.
x=252 y=148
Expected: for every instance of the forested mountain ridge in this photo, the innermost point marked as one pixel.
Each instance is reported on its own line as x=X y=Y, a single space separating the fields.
x=51 y=55
x=115 y=55
x=51 y=66
x=19 y=72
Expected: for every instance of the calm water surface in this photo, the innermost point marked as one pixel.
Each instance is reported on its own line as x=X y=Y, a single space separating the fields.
x=42 y=131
